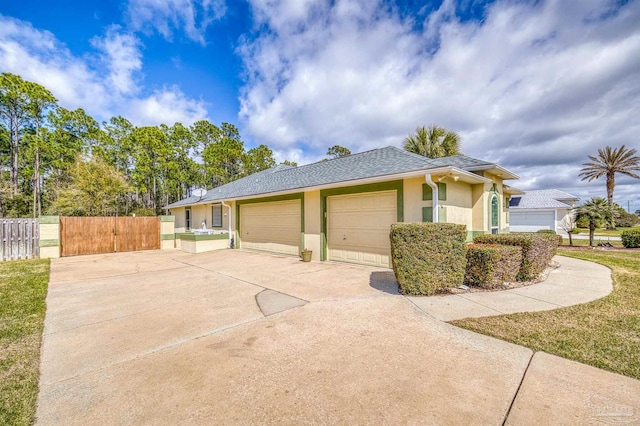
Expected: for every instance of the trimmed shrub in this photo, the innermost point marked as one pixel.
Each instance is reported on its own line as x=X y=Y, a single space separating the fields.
x=490 y=265
x=428 y=258
x=631 y=238
x=626 y=220
x=537 y=250
x=546 y=231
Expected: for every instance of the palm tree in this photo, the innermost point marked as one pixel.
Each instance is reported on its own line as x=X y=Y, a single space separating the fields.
x=609 y=162
x=433 y=142
x=595 y=209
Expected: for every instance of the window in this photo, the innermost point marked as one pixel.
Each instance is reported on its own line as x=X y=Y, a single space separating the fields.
x=216 y=215
x=187 y=218
x=495 y=214
x=427 y=192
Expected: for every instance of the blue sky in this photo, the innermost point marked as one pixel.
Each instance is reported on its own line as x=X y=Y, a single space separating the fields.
x=533 y=85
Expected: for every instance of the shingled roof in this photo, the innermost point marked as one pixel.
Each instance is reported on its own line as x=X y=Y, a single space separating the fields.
x=369 y=164
x=543 y=199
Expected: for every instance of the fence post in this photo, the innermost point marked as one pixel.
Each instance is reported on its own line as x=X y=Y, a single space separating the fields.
x=49 y=236
x=167 y=232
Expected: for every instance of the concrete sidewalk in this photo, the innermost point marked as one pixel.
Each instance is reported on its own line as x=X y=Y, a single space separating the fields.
x=574 y=282
x=243 y=338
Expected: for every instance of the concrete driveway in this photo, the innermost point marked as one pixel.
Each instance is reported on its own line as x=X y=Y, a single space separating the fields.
x=234 y=337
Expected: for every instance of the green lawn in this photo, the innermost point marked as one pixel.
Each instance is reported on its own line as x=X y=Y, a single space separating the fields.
x=583 y=243
x=23 y=289
x=606 y=232
x=604 y=333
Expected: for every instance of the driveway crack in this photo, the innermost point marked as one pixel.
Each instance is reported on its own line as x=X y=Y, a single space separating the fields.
x=513 y=400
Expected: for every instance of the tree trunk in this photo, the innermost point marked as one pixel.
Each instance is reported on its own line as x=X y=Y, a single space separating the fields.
x=15 y=134
x=154 y=195
x=611 y=183
x=592 y=229
x=570 y=238
x=36 y=182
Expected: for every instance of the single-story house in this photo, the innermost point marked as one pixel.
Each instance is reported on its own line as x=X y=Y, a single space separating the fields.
x=342 y=208
x=543 y=209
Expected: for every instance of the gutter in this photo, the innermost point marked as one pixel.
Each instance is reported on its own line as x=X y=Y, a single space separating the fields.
x=228 y=223
x=434 y=198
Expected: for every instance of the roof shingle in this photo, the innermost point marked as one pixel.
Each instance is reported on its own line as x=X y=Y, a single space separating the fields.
x=368 y=164
x=543 y=199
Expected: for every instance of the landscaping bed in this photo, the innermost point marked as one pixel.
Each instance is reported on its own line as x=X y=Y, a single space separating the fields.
x=587 y=248
x=604 y=333
x=507 y=285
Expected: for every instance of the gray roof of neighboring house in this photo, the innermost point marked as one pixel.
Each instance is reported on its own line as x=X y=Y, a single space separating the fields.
x=368 y=164
x=543 y=199
x=461 y=161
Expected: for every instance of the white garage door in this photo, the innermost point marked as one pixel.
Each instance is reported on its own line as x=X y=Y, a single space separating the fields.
x=531 y=221
x=273 y=227
x=358 y=227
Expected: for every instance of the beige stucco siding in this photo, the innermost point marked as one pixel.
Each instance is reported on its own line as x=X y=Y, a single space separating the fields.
x=481 y=199
x=412 y=199
x=312 y=218
x=180 y=223
x=458 y=205
x=200 y=212
x=480 y=202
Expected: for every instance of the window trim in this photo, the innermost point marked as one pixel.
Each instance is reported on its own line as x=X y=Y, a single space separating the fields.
x=214 y=224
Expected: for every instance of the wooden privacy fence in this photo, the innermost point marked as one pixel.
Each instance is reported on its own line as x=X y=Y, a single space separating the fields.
x=19 y=239
x=95 y=235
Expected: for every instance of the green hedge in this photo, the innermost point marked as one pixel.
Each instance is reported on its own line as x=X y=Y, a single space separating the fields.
x=546 y=231
x=631 y=238
x=428 y=258
x=490 y=265
x=537 y=250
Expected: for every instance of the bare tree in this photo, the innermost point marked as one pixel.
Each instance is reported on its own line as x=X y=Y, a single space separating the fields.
x=568 y=224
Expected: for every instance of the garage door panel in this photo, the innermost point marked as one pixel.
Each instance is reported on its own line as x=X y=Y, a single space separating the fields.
x=273 y=227
x=358 y=227
x=531 y=221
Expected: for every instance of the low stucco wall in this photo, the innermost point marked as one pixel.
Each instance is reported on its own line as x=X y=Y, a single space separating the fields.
x=167 y=232
x=203 y=245
x=49 y=243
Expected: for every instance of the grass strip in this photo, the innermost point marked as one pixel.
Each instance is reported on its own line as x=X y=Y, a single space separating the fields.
x=585 y=243
x=604 y=333
x=23 y=289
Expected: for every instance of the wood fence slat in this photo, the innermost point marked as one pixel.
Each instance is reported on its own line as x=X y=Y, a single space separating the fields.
x=95 y=235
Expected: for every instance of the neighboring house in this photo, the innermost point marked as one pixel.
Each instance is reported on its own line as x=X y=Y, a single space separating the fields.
x=342 y=209
x=544 y=209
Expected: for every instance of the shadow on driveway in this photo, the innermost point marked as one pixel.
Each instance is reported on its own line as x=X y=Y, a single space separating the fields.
x=384 y=281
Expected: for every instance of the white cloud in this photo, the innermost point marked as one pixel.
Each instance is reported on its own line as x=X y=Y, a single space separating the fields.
x=123 y=58
x=168 y=105
x=535 y=86
x=166 y=16
x=105 y=84
x=38 y=56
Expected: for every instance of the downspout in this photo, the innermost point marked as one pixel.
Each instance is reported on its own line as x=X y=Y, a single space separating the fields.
x=434 y=197
x=228 y=223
